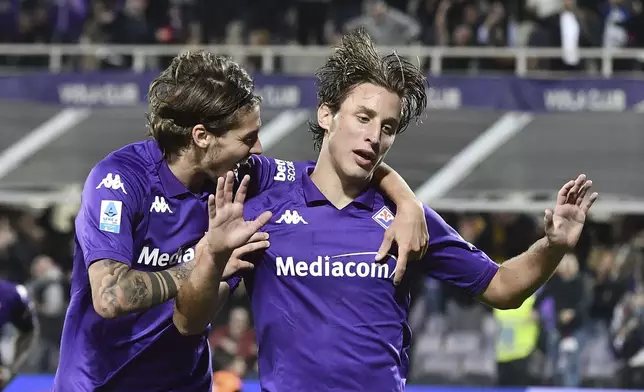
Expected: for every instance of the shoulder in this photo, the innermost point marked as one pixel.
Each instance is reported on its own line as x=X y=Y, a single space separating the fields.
x=274 y=199
x=278 y=170
x=436 y=225
x=125 y=170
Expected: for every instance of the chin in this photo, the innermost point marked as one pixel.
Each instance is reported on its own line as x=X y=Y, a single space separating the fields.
x=357 y=174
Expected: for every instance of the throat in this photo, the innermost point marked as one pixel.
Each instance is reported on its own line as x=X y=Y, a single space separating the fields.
x=339 y=193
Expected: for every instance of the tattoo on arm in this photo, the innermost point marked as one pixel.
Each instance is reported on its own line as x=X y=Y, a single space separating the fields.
x=118 y=290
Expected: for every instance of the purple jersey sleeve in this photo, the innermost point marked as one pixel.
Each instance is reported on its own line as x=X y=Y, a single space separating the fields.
x=22 y=315
x=265 y=172
x=111 y=201
x=452 y=259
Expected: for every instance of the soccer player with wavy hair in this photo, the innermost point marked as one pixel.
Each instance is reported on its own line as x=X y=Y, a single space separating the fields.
x=327 y=316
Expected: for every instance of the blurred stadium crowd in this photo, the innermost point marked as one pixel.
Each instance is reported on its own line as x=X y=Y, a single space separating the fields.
x=586 y=327
x=498 y=23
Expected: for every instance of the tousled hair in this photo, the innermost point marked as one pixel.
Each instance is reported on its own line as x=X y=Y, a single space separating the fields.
x=355 y=62
x=197 y=88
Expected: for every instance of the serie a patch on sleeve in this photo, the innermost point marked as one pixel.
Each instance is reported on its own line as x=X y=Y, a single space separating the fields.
x=110 y=219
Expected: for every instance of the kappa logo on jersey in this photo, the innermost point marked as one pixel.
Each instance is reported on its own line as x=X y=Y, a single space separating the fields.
x=285 y=170
x=160 y=205
x=384 y=217
x=110 y=219
x=291 y=218
x=112 y=181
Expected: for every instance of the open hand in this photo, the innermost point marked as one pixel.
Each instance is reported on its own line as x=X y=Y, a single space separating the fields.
x=238 y=260
x=227 y=228
x=564 y=224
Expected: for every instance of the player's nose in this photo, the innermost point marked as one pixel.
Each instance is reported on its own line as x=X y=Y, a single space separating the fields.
x=257 y=148
x=373 y=137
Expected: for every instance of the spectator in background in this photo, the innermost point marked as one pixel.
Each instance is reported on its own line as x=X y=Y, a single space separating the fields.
x=426 y=13
x=536 y=15
x=608 y=286
x=212 y=18
x=615 y=14
x=311 y=19
x=111 y=24
x=50 y=293
x=634 y=26
x=14 y=263
x=628 y=339
x=495 y=31
x=234 y=347
x=386 y=25
x=265 y=24
x=342 y=11
x=517 y=343
x=568 y=289
x=457 y=24
x=68 y=17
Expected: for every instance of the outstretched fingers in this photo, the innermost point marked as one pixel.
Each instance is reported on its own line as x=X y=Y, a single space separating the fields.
x=581 y=195
x=571 y=198
x=229 y=187
x=242 y=191
x=219 y=195
x=585 y=206
x=562 y=195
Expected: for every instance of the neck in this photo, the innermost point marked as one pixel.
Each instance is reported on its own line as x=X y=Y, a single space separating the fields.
x=339 y=191
x=186 y=169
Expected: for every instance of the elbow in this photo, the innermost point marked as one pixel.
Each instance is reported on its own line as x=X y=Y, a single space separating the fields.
x=106 y=311
x=187 y=328
x=509 y=304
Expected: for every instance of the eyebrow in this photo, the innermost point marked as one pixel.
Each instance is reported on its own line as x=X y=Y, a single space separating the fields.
x=372 y=113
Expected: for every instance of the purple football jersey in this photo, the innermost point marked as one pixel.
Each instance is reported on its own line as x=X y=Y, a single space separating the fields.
x=135 y=211
x=327 y=316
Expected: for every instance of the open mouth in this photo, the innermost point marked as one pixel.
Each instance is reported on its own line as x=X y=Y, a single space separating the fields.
x=366 y=156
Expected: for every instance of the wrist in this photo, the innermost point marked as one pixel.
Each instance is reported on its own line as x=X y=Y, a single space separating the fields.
x=409 y=202
x=555 y=248
x=214 y=252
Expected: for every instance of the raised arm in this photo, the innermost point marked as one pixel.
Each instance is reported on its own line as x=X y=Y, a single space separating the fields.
x=204 y=293
x=518 y=278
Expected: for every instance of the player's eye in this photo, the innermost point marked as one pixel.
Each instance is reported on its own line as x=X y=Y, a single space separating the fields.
x=251 y=139
x=363 y=119
x=388 y=129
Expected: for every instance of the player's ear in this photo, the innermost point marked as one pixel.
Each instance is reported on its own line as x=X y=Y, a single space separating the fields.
x=200 y=136
x=325 y=117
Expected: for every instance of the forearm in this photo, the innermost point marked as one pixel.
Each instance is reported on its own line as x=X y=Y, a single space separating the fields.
x=393 y=185
x=201 y=297
x=521 y=276
x=122 y=290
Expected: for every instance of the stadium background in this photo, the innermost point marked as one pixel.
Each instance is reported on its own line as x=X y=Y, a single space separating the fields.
x=512 y=115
